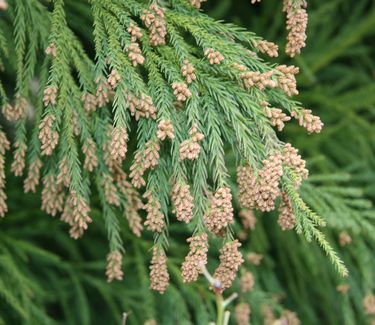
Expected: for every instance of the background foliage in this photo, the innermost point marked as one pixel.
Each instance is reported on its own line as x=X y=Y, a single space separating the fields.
x=47 y=278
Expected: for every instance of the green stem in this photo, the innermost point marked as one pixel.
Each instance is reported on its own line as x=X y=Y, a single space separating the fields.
x=220 y=309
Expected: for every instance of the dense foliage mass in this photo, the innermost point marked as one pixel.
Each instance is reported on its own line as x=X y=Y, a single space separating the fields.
x=156 y=126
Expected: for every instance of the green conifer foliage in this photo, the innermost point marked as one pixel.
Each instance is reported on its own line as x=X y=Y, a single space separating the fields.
x=145 y=124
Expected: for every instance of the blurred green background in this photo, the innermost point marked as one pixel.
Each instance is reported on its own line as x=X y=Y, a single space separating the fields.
x=48 y=278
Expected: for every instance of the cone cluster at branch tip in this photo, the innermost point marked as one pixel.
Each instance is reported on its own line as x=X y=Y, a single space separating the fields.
x=242 y=310
x=165 y=130
x=230 y=262
x=286 y=220
x=143 y=160
x=3 y=5
x=181 y=91
x=196 y=258
x=18 y=163
x=4 y=146
x=214 y=57
x=155 y=218
x=17 y=111
x=135 y=54
x=269 y=48
x=247 y=282
x=154 y=20
x=277 y=117
x=133 y=202
x=114 y=266
x=309 y=121
x=344 y=238
x=159 y=276
x=51 y=50
x=50 y=96
x=248 y=219
x=190 y=148
x=254 y=258
x=296 y=25
x=197 y=3
x=220 y=214
x=369 y=304
x=188 y=71
x=135 y=32
x=114 y=78
x=33 y=176
x=91 y=159
x=183 y=202
x=141 y=106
